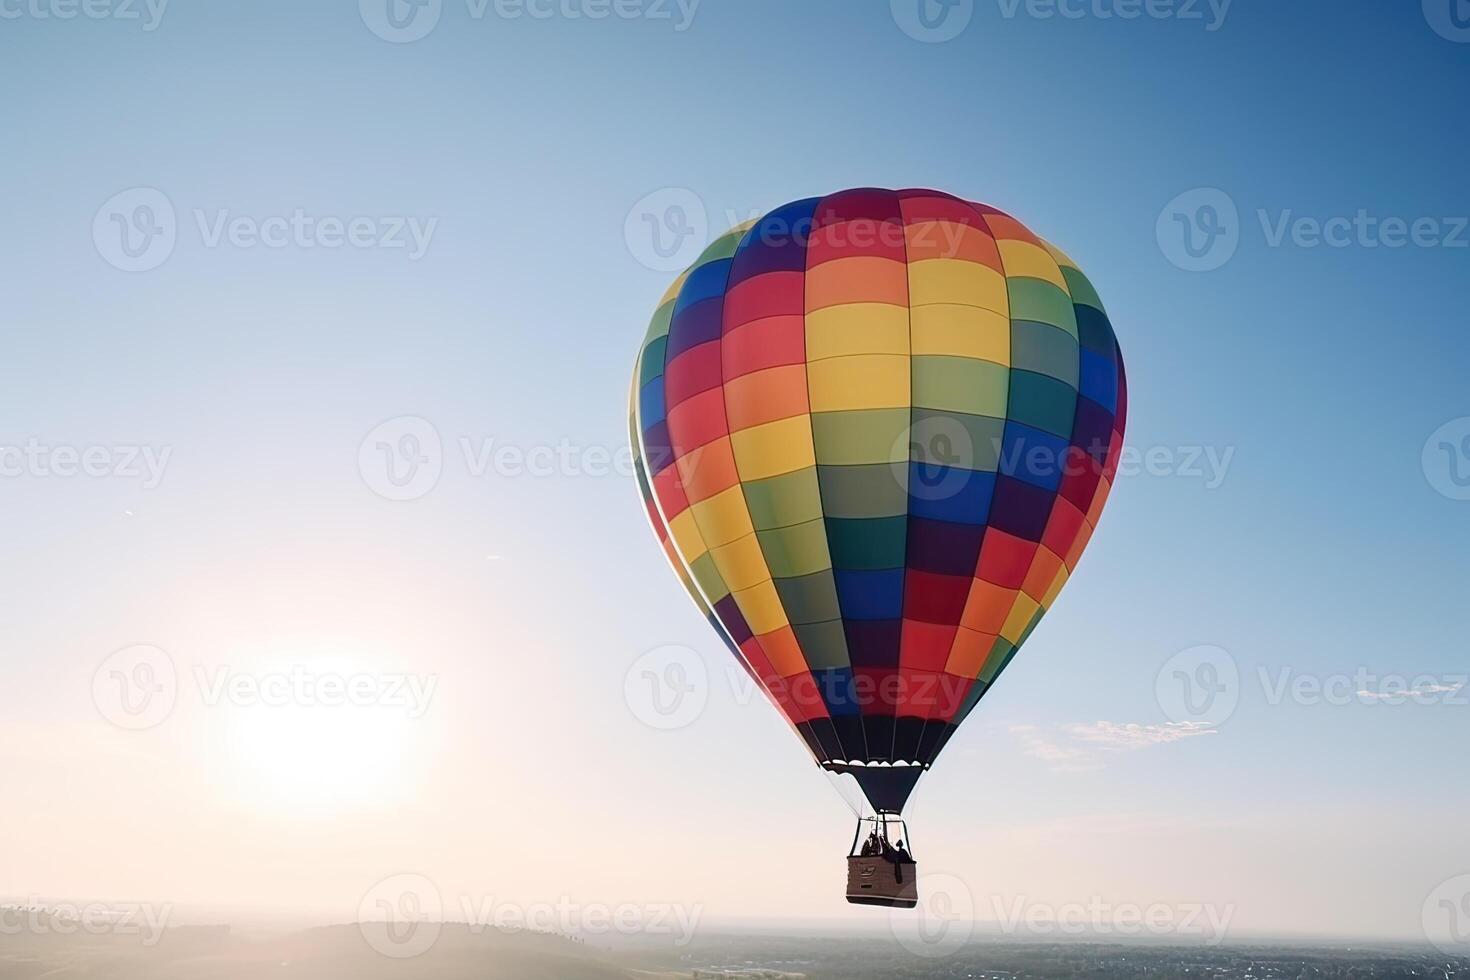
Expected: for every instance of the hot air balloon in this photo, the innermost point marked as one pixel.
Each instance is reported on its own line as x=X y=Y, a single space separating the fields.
x=874 y=432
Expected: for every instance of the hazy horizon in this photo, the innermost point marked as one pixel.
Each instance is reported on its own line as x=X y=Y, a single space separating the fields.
x=274 y=921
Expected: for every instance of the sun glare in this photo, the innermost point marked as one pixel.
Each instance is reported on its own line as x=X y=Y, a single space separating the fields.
x=314 y=737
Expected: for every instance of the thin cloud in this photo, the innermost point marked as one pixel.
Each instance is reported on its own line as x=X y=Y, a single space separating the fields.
x=1417 y=691
x=1085 y=747
x=1114 y=737
x=1059 y=757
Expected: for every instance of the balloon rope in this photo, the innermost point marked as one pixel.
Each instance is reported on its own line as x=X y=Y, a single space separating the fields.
x=851 y=794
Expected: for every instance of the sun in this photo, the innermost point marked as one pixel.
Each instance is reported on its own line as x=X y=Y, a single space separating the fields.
x=317 y=737
x=308 y=761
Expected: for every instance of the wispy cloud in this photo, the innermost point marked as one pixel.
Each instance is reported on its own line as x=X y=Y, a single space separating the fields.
x=1060 y=757
x=1085 y=747
x=1127 y=737
x=1397 y=694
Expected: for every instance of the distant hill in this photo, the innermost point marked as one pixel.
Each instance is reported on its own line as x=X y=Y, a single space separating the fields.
x=333 y=953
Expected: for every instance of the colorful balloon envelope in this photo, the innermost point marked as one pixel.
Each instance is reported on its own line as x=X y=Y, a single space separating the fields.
x=874 y=432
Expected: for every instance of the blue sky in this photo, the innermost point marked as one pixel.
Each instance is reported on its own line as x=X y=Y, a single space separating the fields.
x=520 y=147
